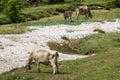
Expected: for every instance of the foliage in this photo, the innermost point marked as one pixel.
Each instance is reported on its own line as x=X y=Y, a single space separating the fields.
x=113 y=3
x=12 y=10
x=1 y=7
x=35 y=13
x=4 y=19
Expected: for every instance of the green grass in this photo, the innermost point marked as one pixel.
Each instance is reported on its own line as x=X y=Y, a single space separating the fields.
x=8 y=29
x=98 y=16
x=105 y=65
x=90 y=44
x=99 y=30
x=94 y=2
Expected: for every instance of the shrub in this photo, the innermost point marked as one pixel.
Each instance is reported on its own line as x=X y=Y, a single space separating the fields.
x=1 y=7
x=4 y=19
x=64 y=8
x=114 y=3
x=12 y=10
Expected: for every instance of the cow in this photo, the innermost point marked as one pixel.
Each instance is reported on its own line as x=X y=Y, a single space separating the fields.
x=45 y=57
x=83 y=10
x=68 y=15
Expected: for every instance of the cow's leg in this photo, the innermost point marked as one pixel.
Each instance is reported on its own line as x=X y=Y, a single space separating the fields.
x=54 y=67
x=38 y=68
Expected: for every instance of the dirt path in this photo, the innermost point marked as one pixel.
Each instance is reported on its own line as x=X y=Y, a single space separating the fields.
x=14 y=48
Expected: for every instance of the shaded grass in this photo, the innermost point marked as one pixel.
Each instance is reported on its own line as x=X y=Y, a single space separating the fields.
x=62 y=47
x=98 y=30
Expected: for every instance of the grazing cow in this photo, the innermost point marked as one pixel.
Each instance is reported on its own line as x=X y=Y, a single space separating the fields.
x=68 y=15
x=45 y=57
x=83 y=10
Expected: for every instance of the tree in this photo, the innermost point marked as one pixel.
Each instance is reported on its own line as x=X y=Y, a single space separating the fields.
x=113 y=3
x=12 y=10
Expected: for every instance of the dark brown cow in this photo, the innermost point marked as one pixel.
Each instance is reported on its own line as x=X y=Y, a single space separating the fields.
x=68 y=15
x=83 y=10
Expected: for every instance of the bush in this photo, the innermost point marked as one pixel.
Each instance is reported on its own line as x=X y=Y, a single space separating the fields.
x=52 y=11
x=12 y=10
x=1 y=7
x=114 y=3
x=64 y=8
x=4 y=19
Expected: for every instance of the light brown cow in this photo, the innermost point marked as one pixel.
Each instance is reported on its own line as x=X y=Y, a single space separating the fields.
x=45 y=57
x=83 y=10
x=68 y=15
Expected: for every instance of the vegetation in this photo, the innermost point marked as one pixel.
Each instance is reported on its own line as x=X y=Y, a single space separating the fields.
x=90 y=44
x=98 y=16
x=12 y=30
x=103 y=66
x=99 y=30
x=43 y=8
x=12 y=10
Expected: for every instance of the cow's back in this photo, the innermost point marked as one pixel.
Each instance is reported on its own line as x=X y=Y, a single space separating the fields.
x=43 y=55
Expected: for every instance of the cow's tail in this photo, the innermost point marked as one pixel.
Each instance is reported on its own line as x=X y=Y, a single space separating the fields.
x=89 y=13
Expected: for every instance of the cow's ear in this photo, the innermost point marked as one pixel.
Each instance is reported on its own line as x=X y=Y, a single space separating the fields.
x=28 y=52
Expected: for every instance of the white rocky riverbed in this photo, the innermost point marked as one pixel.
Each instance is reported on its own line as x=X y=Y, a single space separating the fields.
x=14 y=48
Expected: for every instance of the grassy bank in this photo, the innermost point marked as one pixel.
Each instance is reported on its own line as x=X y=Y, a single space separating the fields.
x=101 y=42
x=98 y=16
x=103 y=66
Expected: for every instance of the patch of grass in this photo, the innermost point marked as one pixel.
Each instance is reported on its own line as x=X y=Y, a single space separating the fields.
x=88 y=45
x=12 y=30
x=94 y=2
x=99 y=42
x=62 y=47
x=99 y=30
x=103 y=66
x=98 y=16
x=65 y=38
